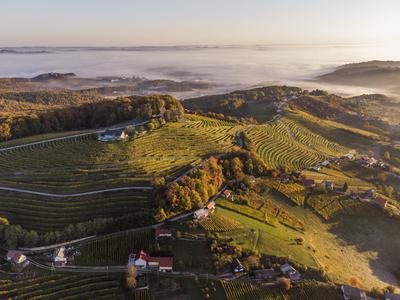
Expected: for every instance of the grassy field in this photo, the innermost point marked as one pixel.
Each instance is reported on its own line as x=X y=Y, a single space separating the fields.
x=64 y=287
x=275 y=240
x=48 y=214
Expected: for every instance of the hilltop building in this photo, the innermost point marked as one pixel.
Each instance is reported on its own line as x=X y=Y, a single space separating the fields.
x=112 y=135
x=142 y=260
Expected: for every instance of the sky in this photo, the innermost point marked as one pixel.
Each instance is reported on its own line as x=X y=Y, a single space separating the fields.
x=194 y=22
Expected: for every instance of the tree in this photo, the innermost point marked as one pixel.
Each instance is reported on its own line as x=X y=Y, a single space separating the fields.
x=285 y=283
x=345 y=187
x=355 y=281
x=131 y=275
x=386 y=156
x=5 y=132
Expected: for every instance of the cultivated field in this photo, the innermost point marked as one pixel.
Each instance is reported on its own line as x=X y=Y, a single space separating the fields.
x=49 y=214
x=84 y=163
x=285 y=143
x=63 y=287
x=308 y=290
x=115 y=250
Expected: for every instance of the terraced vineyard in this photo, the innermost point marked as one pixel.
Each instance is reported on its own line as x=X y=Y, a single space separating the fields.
x=115 y=250
x=284 y=143
x=329 y=206
x=84 y=163
x=64 y=287
x=294 y=191
x=141 y=295
x=309 y=290
x=48 y=214
x=219 y=223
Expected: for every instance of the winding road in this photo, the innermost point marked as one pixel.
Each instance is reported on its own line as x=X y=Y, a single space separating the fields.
x=141 y=188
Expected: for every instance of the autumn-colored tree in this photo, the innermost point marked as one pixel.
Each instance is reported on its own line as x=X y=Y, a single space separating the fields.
x=285 y=283
x=131 y=275
x=355 y=281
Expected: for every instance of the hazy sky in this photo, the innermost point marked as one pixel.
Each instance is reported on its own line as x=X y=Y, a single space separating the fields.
x=172 y=22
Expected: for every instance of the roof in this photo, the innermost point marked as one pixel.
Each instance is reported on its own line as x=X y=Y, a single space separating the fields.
x=115 y=132
x=308 y=182
x=165 y=262
x=142 y=255
x=381 y=201
x=286 y=268
x=211 y=205
x=201 y=213
x=237 y=264
x=226 y=193
x=160 y=231
x=353 y=293
x=14 y=255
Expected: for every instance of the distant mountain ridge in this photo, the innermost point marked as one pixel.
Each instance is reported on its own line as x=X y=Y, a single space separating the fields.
x=374 y=74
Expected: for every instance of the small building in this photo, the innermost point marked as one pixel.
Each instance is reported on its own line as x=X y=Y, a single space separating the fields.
x=17 y=258
x=369 y=194
x=325 y=163
x=201 y=213
x=237 y=266
x=211 y=205
x=329 y=184
x=112 y=135
x=140 y=259
x=288 y=270
x=226 y=194
x=163 y=264
x=381 y=202
x=308 y=182
x=348 y=156
x=60 y=259
x=315 y=168
x=352 y=293
x=266 y=274
x=163 y=232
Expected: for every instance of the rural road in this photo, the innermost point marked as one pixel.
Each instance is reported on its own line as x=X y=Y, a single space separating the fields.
x=68 y=137
x=10 y=189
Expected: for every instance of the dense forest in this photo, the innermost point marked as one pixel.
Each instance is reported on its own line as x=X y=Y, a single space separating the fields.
x=88 y=115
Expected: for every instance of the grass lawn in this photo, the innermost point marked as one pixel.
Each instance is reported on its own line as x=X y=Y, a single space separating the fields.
x=269 y=240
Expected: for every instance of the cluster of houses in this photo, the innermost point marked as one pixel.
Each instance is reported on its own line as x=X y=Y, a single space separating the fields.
x=142 y=260
x=354 y=293
x=266 y=274
x=372 y=197
x=371 y=162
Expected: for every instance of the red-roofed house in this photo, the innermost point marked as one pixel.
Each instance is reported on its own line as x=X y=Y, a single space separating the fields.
x=227 y=193
x=164 y=264
x=211 y=205
x=162 y=232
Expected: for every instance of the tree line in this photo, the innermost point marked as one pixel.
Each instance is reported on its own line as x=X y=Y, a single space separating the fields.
x=90 y=115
